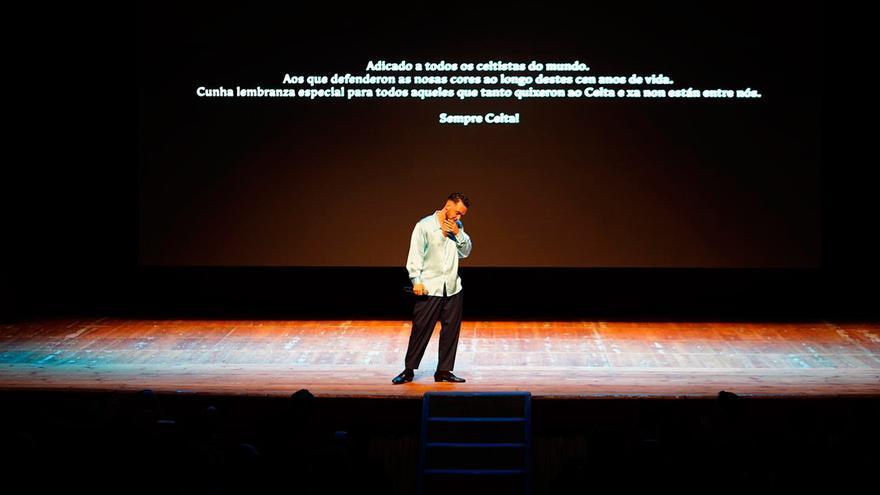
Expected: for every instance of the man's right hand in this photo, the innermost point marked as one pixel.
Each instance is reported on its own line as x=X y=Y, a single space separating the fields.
x=419 y=289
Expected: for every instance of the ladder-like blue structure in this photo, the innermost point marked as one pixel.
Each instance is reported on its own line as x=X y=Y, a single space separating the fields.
x=475 y=442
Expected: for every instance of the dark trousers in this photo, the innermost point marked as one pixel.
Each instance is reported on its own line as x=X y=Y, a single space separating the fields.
x=425 y=314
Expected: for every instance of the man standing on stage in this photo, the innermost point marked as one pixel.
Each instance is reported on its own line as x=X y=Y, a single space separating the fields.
x=438 y=241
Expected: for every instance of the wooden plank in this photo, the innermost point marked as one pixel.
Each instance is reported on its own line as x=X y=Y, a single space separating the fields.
x=344 y=358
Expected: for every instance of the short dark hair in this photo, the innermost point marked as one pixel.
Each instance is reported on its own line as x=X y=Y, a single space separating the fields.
x=457 y=196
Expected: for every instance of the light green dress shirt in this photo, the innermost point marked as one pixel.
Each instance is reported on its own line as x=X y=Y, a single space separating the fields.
x=433 y=257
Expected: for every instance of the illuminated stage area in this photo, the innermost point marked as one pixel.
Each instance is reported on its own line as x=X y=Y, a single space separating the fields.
x=246 y=406
x=357 y=359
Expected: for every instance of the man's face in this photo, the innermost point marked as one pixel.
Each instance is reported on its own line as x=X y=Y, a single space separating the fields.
x=454 y=211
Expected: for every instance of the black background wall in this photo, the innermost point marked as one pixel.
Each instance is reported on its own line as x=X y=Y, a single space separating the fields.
x=71 y=235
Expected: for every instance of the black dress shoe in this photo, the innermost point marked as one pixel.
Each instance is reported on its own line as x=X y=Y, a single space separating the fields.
x=447 y=376
x=404 y=376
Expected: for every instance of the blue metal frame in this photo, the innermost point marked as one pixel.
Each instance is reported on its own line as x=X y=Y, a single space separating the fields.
x=526 y=444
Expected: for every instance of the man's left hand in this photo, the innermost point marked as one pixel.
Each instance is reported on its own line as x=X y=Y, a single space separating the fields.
x=450 y=227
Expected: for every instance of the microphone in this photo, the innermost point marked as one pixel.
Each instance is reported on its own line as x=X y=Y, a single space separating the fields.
x=409 y=290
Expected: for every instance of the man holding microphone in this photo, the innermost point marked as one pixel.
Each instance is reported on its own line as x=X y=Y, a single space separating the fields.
x=438 y=241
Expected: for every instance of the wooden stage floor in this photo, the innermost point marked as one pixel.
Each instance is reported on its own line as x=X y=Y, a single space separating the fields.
x=551 y=359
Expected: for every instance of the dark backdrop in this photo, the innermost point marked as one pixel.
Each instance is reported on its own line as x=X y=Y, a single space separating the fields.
x=72 y=243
